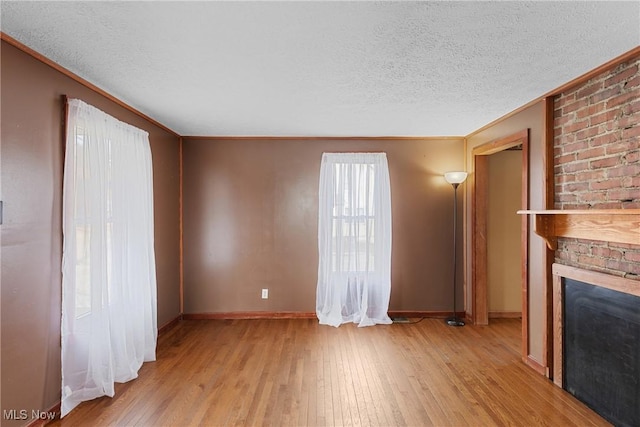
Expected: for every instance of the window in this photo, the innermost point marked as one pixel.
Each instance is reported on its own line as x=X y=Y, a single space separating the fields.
x=109 y=325
x=354 y=239
x=353 y=218
x=83 y=223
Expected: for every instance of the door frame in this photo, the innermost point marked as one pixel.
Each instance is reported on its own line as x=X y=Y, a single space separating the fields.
x=479 y=204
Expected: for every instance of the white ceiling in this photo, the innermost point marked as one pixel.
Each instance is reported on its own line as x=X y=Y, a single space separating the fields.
x=330 y=68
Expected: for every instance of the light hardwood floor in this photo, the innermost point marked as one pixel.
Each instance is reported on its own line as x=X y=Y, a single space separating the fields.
x=298 y=373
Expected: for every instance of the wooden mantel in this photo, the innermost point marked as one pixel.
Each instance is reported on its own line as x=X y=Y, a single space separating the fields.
x=609 y=225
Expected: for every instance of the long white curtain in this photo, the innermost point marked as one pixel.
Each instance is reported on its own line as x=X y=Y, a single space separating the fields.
x=109 y=324
x=354 y=239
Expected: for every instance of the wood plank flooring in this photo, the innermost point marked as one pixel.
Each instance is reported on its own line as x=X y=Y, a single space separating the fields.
x=294 y=372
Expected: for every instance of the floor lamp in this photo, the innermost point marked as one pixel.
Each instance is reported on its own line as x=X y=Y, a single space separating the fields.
x=455 y=179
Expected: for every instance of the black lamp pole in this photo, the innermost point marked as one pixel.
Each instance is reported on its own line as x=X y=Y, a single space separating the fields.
x=454 y=320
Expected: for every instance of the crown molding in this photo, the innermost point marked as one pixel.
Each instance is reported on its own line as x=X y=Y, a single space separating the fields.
x=26 y=49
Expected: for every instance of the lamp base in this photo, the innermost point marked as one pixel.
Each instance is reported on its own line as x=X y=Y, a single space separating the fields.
x=454 y=321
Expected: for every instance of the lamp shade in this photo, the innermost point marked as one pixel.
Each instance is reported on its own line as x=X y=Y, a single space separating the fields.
x=455 y=177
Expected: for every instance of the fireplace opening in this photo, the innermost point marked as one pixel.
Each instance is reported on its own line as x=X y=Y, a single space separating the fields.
x=601 y=350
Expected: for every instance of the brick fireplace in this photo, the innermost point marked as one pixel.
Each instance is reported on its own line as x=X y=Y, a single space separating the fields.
x=597 y=169
x=597 y=162
x=596 y=326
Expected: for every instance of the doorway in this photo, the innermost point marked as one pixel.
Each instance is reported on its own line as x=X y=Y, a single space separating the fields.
x=479 y=228
x=503 y=234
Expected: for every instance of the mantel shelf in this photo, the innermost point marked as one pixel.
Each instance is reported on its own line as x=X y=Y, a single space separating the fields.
x=608 y=225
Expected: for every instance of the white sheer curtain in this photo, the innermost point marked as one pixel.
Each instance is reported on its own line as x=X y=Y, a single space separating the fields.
x=354 y=239
x=109 y=324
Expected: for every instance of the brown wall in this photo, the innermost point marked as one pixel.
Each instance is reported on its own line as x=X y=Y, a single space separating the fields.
x=32 y=155
x=504 y=258
x=531 y=118
x=250 y=222
x=597 y=162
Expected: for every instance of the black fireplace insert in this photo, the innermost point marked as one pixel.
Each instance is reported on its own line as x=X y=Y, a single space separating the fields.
x=601 y=350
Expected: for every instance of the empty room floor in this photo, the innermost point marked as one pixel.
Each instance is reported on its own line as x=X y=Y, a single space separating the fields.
x=295 y=372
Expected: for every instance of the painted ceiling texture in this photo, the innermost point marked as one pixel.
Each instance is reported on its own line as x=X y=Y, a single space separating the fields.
x=301 y=68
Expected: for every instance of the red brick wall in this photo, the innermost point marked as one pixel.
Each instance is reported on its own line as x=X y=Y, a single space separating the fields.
x=597 y=162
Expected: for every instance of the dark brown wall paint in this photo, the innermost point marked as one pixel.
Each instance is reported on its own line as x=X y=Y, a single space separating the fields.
x=32 y=153
x=250 y=222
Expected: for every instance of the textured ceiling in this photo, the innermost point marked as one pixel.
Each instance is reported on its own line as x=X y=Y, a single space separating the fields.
x=326 y=68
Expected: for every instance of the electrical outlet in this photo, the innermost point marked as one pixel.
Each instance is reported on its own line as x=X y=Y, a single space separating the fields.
x=265 y=294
